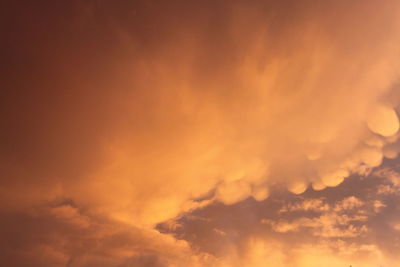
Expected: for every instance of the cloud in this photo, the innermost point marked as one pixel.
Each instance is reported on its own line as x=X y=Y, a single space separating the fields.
x=140 y=113
x=339 y=220
x=60 y=236
x=259 y=252
x=349 y=224
x=70 y=215
x=383 y=121
x=317 y=205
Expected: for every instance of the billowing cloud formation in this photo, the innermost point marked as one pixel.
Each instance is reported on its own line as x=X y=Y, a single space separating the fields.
x=141 y=111
x=354 y=224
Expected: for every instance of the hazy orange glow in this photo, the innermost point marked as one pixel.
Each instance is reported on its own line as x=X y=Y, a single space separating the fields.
x=200 y=133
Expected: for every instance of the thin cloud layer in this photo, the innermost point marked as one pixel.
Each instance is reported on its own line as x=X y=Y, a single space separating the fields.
x=119 y=117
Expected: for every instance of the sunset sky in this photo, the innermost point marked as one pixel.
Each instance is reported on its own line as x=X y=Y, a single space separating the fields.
x=209 y=133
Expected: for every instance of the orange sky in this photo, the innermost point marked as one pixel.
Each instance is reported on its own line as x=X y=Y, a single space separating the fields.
x=200 y=133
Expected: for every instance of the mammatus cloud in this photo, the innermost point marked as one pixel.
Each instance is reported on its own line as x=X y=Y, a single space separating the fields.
x=350 y=224
x=121 y=116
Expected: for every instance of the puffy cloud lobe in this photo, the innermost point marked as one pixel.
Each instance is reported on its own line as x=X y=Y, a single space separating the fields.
x=383 y=120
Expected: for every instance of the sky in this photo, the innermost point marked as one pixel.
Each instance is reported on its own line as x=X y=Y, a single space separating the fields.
x=214 y=133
